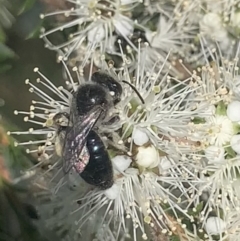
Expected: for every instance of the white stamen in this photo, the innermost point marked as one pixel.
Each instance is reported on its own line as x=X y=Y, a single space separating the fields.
x=112 y=192
x=214 y=154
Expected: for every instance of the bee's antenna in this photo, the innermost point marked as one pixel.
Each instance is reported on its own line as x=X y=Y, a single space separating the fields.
x=136 y=91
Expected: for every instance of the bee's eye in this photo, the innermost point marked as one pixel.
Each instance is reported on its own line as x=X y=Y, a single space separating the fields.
x=112 y=93
x=109 y=83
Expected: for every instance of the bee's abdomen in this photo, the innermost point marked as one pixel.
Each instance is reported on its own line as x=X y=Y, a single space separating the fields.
x=98 y=171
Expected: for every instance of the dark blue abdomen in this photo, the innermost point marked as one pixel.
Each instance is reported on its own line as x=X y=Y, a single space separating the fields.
x=98 y=171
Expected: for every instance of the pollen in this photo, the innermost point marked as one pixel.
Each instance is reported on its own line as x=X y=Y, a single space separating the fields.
x=144 y=236
x=49 y=122
x=147 y=219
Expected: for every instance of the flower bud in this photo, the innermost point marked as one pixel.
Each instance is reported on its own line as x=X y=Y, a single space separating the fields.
x=147 y=157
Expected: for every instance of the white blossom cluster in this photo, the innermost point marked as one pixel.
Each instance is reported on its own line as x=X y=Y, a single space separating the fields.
x=180 y=27
x=175 y=155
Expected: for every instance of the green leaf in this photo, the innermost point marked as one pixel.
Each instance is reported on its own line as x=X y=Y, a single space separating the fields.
x=4 y=67
x=2 y=35
x=230 y=152
x=154 y=128
x=221 y=213
x=198 y=208
x=162 y=153
x=112 y=153
x=198 y=120
x=134 y=104
x=128 y=131
x=5 y=52
x=26 y=6
x=233 y=31
x=35 y=32
x=174 y=238
x=236 y=128
x=221 y=109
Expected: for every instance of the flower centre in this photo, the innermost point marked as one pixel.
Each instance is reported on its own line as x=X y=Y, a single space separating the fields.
x=215 y=130
x=220 y=131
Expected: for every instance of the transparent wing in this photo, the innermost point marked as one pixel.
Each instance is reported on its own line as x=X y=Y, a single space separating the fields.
x=75 y=140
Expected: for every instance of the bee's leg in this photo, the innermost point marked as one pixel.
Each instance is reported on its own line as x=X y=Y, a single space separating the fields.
x=61 y=118
x=113 y=140
x=112 y=120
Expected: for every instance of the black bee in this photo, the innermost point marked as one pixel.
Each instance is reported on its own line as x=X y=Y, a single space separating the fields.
x=82 y=148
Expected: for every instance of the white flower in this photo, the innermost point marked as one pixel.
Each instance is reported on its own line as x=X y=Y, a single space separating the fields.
x=214 y=154
x=211 y=25
x=96 y=34
x=218 y=89
x=41 y=113
x=97 y=20
x=235 y=20
x=218 y=188
x=165 y=165
x=138 y=198
x=166 y=112
x=215 y=225
x=130 y=207
x=123 y=25
x=156 y=159
x=163 y=115
x=216 y=130
x=235 y=143
x=170 y=149
x=143 y=206
x=169 y=37
x=233 y=111
x=220 y=130
x=149 y=55
x=233 y=225
x=213 y=21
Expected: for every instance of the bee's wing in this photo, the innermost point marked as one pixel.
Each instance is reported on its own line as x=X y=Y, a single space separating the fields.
x=75 y=140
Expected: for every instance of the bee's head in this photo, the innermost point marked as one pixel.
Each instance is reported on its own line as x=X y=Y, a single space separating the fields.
x=110 y=84
x=89 y=96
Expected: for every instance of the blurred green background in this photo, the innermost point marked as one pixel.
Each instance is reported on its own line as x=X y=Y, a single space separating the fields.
x=21 y=50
